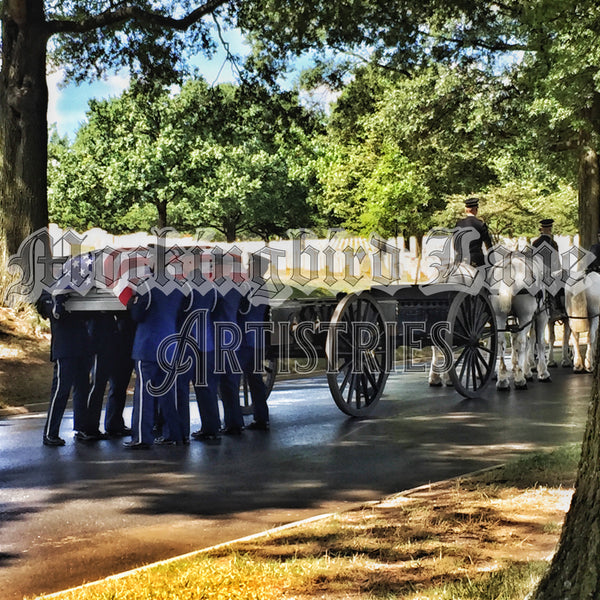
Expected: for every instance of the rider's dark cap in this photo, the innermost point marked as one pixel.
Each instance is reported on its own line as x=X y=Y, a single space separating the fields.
x=471 y=202
x=546 y=222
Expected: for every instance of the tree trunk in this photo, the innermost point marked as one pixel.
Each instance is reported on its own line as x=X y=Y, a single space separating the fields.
x=161 y=209
x=589 y=195
x=23 y=124
x=575 y=570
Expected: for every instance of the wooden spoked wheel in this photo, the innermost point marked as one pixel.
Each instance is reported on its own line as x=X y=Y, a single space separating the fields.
x=356 y=352
x=473 y=338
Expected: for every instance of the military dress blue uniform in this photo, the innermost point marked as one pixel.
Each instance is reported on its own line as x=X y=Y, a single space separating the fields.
x=201 y=304
x=70 y=350
x=112 y=340
x=120 y=376
x=481 y=237
x=253 y=345
x=157 y=315
x=226 y=313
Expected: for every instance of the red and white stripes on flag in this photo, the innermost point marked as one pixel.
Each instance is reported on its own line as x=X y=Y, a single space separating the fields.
x=124 y=271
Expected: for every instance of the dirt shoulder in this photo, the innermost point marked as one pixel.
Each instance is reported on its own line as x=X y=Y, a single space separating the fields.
x=25 y=368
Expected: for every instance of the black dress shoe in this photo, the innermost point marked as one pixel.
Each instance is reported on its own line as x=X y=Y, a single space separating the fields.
x=162 y=441
x=232 y=430
x=136 y=445
x=259 y=426
x=119 y=433
x=204 y=436
x=83 y=436
x=53 y=441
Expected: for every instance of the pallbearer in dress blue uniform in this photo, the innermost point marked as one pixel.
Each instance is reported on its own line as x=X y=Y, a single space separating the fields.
x=228 y=339
x=157 y=315
x=112 y=340
x=252 y=320
x=71 y=353
x=120 y=376
x=197 y=333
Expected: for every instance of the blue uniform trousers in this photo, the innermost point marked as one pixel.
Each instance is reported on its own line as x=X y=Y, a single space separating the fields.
x=69 y=373
x=144 y=406
x=117 y=396
x=206 y=396
x=229 y=390
x=256 y=385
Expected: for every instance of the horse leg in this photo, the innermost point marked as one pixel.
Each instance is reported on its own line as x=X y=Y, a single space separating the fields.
x=502 y=383
x=435 y=379
x=590 y=355
x=529 y=365
x=551 y=340
x=520 y=357
x=541 y=321
x=577 y=358
x=566 y=360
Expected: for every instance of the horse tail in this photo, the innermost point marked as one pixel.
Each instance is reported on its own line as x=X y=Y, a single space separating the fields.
x=576 y=305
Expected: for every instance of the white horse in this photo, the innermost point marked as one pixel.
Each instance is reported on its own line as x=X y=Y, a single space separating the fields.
x=583 y=307
x=518 y=299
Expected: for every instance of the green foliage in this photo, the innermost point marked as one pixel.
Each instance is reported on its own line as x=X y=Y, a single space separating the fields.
x=96 y=37
x=447 y=99
x=231 y=157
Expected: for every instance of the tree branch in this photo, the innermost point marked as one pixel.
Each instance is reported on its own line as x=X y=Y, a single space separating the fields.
x=133 y=13
x=229 y=57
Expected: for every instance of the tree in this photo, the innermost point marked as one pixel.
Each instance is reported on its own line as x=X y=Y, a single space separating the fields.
x=406 y=145
x=229 y=157
x=86 y=38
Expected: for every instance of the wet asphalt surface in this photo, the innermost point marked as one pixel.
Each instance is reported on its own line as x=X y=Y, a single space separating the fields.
x=81 y=512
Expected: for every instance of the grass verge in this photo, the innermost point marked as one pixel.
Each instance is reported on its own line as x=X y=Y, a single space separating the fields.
x=483 y=537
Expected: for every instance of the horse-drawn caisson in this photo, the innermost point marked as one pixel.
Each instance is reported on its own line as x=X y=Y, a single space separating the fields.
x=352 y=331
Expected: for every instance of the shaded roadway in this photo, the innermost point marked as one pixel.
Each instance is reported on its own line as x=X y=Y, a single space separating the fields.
x=78 y=513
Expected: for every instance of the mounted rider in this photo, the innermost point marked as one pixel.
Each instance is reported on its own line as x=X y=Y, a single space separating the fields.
x=546 y=246
x=481 y=234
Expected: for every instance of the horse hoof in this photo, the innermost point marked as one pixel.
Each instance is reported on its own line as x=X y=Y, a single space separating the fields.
x=436 y=384
x=545 y=380
x=503 y=389
x=529 y=378
x=449 y=384
x=521 y=386
x=552 y=365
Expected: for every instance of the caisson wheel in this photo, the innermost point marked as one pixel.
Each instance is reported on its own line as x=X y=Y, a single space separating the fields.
x=356 y=354
x=473 y=338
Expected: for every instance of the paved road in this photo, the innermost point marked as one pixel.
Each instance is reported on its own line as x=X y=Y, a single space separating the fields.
x=78 y=513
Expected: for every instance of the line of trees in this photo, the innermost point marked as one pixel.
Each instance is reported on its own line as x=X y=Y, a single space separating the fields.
x=396 y=155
